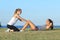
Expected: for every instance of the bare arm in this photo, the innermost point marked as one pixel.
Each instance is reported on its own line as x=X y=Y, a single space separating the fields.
x=49 y=26
x=21 y=19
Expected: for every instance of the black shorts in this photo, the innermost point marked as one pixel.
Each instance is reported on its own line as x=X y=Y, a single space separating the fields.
x=36 y=29
x=13 y=27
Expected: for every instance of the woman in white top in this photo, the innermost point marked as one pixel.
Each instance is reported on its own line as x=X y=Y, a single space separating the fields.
x=14 y=19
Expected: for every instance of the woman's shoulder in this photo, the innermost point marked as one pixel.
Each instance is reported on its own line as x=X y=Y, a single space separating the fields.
x=15 y=15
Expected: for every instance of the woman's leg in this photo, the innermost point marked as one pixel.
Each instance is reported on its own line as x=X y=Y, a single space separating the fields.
x=32 y=26
x=25 y=26
x=11 y=27
x=15 y=29
x=29 y=23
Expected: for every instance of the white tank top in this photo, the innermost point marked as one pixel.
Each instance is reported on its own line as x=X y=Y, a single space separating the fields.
x=12 y=21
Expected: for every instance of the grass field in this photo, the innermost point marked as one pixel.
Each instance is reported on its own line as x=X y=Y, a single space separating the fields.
x=30 y=35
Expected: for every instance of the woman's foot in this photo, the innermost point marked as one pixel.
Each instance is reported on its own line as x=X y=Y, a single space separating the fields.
x=21 y=30
x=8 y=30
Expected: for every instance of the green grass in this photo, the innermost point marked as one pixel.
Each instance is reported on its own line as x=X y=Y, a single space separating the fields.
x=30 y=35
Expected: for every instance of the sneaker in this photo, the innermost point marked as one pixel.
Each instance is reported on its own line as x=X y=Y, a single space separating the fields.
x=21 y=30
x=7 y=30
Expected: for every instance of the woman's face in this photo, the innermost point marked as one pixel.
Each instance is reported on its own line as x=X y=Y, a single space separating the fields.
x=47 y=22
x=19 y=12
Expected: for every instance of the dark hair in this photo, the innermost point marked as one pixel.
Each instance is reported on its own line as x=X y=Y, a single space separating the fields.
x=52 y=23
x=18 y=10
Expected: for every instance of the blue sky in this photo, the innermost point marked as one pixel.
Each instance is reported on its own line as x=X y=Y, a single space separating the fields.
x=38 y=11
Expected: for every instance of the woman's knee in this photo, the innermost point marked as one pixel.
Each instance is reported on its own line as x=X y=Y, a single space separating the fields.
x=28 y=20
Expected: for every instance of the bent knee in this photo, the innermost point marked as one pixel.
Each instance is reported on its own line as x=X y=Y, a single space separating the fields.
x=28 y=20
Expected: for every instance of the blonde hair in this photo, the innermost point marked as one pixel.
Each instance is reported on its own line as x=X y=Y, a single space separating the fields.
x=18 y=10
